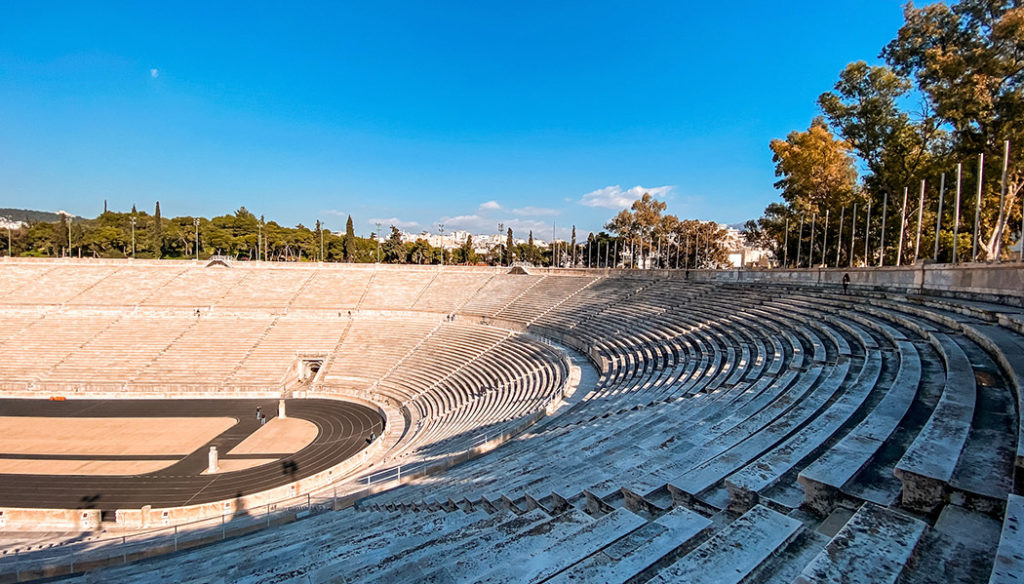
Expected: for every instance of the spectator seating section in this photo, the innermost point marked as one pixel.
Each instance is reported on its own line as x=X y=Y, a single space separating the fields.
x=732 y=432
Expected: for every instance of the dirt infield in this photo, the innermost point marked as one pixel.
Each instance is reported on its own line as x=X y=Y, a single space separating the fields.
x=124 y=454
x=281 y=435
x=108 y=436
x=49 y=466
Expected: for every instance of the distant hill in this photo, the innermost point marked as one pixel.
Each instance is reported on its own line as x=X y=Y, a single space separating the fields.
x=28 y=215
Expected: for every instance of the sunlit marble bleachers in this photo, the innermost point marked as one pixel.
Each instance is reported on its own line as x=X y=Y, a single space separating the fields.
x=726 y=432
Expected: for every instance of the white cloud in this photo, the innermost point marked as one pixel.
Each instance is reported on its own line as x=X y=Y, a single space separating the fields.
x=154 y=73
x=490 y=206
x=613 y=197
x=479 y=224
x=535 y=212
x=394 y=221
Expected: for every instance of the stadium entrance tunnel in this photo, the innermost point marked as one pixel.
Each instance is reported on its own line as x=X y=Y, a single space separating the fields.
x=308 y=366
x=130 y=455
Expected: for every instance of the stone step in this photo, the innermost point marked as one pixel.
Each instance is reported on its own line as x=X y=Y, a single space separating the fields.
x=736 y=552
x=643 y=548
x=1009 y=563
x=927 y=466
x=873 y=547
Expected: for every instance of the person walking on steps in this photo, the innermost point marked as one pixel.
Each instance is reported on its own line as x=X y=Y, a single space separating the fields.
x=846 y=283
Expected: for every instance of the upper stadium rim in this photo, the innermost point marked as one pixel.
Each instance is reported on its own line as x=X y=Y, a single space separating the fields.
x=827 y=433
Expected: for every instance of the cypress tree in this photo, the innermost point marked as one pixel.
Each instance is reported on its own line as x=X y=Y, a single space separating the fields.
x=508 y=246
x=60 y=240
x=158 y=233
x=350 y=240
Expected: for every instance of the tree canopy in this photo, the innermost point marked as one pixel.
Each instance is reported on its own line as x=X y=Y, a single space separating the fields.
x=947 y=101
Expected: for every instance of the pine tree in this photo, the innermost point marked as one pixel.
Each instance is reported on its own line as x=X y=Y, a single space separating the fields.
x=350 y=240
x=158 y=232
x=529 y=248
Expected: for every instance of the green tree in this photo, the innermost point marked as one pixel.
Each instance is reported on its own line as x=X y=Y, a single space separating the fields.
x=817 y=171
x=158 y=233
x=865 y=108
x=966 y=60
x=509 y=246
x=393 y=248
x=350 y=240
x=468 y=253
x=60 y=235
x=637 y=225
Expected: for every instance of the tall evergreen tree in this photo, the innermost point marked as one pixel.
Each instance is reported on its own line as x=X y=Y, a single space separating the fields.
x=158 y=232
x=394 y=250
x=316 y=242
x=468 y=255
x=350 y=240
x=508 y=246
x=60 y=239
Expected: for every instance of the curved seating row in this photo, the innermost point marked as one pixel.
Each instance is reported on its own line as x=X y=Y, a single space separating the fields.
x=737 y=432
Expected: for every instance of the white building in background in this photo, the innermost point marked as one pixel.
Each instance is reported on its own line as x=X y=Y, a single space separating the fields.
x=6 y=223
x=482 y=242
x=742 y=255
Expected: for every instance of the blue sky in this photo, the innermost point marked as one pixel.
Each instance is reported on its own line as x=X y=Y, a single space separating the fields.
x=415 y=113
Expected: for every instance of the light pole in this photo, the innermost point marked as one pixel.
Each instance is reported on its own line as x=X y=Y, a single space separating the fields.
x=885 y=212
x=853 y=237
x=501 y=233
x=867 y=229
x=133 y=238
x=956 y=211
x=378 y=242
x=799 y=242
x=440 y=229
x=977 y=207
x=824 y=241
x=938 y=216
x=195 y=223
x=785 y=246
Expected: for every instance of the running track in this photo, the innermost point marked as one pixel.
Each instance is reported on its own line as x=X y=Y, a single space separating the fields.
x=343 y=429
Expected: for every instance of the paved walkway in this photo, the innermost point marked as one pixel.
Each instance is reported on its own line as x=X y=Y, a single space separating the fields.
x=343 y=429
